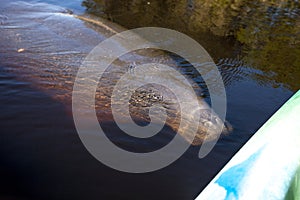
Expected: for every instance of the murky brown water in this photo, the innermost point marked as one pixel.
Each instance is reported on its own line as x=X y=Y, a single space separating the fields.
x=41 y=154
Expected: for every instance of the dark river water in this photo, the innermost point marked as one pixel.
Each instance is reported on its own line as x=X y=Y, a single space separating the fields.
x=256 y=47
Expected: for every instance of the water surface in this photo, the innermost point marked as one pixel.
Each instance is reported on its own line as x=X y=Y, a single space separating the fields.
x=41 y=154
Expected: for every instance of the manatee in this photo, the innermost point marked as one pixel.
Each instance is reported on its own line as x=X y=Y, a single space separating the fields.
x=46 y=45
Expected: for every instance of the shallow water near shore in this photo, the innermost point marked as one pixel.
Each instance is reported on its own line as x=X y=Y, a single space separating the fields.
x=42 y=157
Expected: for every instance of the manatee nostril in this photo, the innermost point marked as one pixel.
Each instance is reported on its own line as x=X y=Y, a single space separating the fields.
x=218 y=120
x=214 y=120
x=208 y=123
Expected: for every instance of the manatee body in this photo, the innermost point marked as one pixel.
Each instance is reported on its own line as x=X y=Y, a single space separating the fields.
x=46 y=45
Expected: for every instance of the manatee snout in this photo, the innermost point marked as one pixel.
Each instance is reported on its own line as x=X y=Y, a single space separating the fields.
x=195 y=122
x=210 y=127
x=212 y=122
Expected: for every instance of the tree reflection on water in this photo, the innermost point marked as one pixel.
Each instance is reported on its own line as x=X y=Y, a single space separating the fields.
x=264 y=33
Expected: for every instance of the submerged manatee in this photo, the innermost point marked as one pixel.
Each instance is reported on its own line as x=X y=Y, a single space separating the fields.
x=46 y=45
